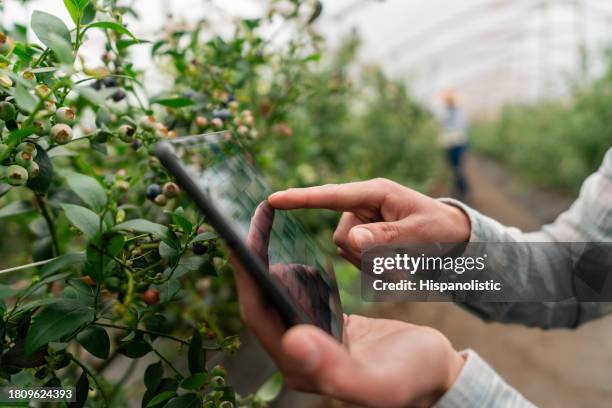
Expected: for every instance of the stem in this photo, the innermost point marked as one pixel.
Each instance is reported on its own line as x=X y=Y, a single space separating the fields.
x=93 y=377
x=41 y=58
x=166 y=336
x=165 y=360
x=22 y=267
x=50 y=224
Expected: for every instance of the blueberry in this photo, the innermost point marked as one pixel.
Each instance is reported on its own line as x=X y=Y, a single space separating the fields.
x=222 y=114
x=119 y=96
x=110 y=82
x=153 y=190
x=198 y=248
x=96 y=85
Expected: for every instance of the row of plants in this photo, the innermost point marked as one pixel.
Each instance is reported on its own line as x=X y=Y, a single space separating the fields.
x=115 y=261
x=554 y=143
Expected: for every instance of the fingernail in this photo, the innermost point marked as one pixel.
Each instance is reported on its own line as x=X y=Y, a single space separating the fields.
x=363 y=236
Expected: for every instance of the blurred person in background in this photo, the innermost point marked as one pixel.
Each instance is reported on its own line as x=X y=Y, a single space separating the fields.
x=454 y=130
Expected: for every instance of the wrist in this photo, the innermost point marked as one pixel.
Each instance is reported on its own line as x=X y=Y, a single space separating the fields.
x=461 y=225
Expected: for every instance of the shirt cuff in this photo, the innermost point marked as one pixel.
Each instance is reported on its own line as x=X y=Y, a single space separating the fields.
x=483 y=228
x=478 y=385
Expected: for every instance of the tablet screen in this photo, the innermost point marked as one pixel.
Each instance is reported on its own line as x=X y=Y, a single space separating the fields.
x=237 y=189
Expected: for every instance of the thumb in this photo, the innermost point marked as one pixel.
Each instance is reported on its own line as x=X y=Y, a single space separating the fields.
x=320 y=360
x=367 y=235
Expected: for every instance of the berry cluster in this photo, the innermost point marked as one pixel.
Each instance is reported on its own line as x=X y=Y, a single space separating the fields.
x=51 y=125
x=160 y=194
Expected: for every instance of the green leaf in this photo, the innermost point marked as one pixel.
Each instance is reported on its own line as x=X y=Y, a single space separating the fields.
x=161 y=397
x=184 y=401
x=81 y=391
x=116 y=27
x=178 y=102
x=270 y=389
x=168 y=290
x=196 y=356
x=6 y=291
x=45 y=24
x=157 y=323
x=62 y=49
x=81 y=291
x=56 y=321
x=195 y=381
x=42 y=183
x=43 y=282
x=89 y=13
x=134 y=349
x=153 y=375
x=63 y=261
x=82 y=218
x=88 y=189
x=25 y=100
x=205 y=236
x=16 y=208
x=73 y=9
x=157 y=230
x=180 y=219
x=17 y=135
x=95 y=340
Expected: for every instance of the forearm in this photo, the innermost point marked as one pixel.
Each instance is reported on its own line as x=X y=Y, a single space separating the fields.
x=478 y=385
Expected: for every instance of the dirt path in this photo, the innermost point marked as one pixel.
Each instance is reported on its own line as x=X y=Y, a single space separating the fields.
x=557 y=368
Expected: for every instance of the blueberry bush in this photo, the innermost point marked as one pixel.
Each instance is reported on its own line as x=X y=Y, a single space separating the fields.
x=554 y=143
x=114 y=261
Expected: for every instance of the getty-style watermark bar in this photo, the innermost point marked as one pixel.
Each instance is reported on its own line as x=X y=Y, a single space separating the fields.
x=488 y=272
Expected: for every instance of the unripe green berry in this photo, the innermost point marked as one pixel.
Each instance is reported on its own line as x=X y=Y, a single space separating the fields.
x=218 y=371
x=16 y=175
x=122 y=185
x=102 y=136
x=7 y=111
x=6 y=44
x=147 y=123
x=33 y=170
x=42 y=90
x=65 y=115
x=126 y=133
x=171 y=189
x=27 y=147
x=3 y=172
x=28 y=76
x=61 y=133
x=42 y=126
x=3 y=149
x=24 y=159
x=5 y=81
x=50 y=107
x=218 y=382
x=161 y=200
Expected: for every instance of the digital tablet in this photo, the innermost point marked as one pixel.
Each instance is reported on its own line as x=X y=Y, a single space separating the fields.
x=287 y=264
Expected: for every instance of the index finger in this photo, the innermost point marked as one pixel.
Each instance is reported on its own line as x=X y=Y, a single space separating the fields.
x=337 y=197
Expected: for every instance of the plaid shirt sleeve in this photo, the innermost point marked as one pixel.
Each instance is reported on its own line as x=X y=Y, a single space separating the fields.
x=589 y=219
x=478 y=385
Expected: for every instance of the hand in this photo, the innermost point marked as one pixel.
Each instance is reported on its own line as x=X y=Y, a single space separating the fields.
x=378 y=212
x=383 y=363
